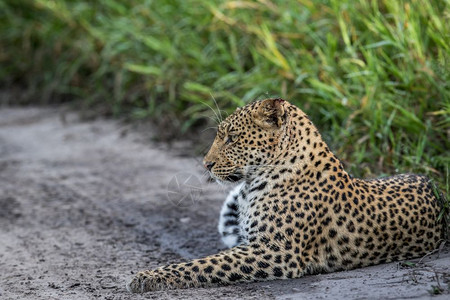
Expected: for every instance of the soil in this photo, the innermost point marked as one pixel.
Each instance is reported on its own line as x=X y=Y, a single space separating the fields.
x=86 y=204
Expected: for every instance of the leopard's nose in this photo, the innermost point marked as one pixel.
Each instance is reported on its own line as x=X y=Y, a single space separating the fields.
x=208 y=165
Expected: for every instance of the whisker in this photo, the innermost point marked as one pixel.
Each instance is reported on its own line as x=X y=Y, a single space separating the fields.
x=218 y=119
x=214 y=120
x=211 y=127
x=217 y=106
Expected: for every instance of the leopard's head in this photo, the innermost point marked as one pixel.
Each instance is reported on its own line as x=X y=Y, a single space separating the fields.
x=249 y=138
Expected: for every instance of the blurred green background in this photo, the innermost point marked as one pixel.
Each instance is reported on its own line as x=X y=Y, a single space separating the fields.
x=373 y=75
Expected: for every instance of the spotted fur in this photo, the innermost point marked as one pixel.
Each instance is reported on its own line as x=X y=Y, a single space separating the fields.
x=297 y=211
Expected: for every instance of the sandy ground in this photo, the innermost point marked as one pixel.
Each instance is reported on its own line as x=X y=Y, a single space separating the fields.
x=84 y=205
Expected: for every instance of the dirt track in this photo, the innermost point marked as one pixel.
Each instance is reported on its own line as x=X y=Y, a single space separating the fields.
x=84 y=205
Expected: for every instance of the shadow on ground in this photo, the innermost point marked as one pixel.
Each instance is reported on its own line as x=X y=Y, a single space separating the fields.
x=84 y=205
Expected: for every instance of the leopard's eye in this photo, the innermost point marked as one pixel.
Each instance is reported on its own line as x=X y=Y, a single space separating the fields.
x=230 y=138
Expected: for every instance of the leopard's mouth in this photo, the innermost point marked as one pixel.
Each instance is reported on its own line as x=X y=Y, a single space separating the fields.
x=233 y=176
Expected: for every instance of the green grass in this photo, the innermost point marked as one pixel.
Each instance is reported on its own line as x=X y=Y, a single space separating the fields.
x=373 y=75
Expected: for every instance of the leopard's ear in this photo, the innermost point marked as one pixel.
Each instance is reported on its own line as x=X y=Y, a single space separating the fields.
x=270 y=113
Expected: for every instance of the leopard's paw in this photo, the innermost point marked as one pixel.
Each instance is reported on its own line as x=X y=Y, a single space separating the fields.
x=140 y=283
x=156 y=280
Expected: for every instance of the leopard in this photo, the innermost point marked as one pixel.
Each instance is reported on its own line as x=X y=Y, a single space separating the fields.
x=295 y=211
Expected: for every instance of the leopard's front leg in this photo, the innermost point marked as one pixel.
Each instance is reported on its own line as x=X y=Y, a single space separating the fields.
x=238 y=264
